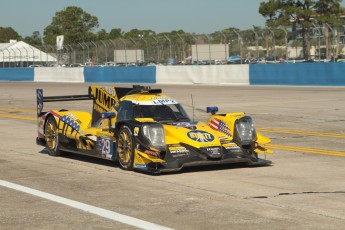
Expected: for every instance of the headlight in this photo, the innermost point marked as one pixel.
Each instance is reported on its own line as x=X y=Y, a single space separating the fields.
x=245 y=129
x=155 y=135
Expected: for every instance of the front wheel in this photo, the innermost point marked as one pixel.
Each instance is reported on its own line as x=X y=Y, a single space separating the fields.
x=52 y=137
x=125 y=149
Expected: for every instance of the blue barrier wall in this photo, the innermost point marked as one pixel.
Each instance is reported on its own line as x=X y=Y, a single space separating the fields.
x=304 y=74
x=17 y=74
x=143 y=74
x=312 y=74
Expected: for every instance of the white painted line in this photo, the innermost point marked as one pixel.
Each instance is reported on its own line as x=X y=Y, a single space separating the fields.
x=86 y=208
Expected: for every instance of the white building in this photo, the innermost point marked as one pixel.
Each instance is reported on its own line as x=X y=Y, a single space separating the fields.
x=20 y=54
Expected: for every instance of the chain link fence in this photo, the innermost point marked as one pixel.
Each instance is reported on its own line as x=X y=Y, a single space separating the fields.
x=218 y=48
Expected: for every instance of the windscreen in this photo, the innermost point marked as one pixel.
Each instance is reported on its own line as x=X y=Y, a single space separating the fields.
x=161 y=113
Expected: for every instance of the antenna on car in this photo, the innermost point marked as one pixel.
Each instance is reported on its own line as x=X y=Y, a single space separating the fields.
x=192 y=105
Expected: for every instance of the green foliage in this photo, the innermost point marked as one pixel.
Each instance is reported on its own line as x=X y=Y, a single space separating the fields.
x=136 y=33
x=302 y=12
x=7 y=34
x=34 y=40
x=116 y=33
x=72 y=22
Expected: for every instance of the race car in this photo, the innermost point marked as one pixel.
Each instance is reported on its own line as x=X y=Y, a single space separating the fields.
x=144 y=129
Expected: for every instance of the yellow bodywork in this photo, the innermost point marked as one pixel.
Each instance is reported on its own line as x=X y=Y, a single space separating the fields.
x=107 y=101
x=230 y=118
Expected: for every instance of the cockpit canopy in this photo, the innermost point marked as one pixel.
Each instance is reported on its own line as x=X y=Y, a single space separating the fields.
x=165 y=113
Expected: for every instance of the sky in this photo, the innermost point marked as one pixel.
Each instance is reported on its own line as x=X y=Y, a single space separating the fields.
x=193 y=16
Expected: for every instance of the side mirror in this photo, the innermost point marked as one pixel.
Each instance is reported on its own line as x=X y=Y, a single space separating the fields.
x=108 y=115
x=212 y=109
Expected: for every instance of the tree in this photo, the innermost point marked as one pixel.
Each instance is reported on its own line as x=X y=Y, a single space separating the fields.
x=102 y=35
x=303 y=13
x=75 y=24
x=35 y=39
x=7 y=34
x=116 y=33
x=329 y=13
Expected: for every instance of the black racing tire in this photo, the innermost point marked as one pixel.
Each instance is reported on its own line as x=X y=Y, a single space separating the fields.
x=125 y=148
x=52 y=137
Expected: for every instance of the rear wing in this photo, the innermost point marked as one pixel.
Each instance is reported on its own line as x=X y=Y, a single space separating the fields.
x=41 y=99
x=104 y=98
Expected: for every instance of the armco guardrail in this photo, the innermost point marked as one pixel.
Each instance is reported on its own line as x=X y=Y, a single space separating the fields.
x=306 y=74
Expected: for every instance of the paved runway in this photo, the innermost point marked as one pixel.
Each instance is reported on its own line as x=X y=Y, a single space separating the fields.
x=304 y=189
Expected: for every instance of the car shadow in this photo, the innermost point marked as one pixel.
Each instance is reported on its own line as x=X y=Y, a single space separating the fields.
x=190 y=169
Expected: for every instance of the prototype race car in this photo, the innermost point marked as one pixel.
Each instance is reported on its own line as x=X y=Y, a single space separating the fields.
x=143 y=129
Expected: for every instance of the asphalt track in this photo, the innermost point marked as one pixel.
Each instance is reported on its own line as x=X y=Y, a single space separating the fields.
x=304 y=189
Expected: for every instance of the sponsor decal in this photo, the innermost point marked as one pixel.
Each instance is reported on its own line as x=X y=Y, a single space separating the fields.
x=200 y=136
x=234 y=147
x=70 y=122
x=105 y=147
x=136 y=131
x=140 y=166
x=110 y=90
x=104 y=99
x=39 y=94
x=164 y=101
x=188 y=125
x=152 y=153
x=221 y=126
x=178 y=151
x=215 y=151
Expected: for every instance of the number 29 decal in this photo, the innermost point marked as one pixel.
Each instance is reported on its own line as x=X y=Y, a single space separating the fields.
x=105 y=147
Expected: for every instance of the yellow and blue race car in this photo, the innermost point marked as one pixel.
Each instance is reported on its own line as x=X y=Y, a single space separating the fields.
x=143 y=129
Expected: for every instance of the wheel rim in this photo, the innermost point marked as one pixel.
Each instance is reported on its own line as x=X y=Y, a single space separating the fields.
x=124 y=147
x=51 y=134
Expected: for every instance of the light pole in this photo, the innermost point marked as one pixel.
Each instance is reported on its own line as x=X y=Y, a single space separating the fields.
x=183 y=53
x=72 y=53
x=96 y=50
x=82 y=47
x=256 y=42
x=286 y=42
x=240 y=43
x=319 y=36
x=141 y=37
x=88 y=51
x=196 y=49
x=209 y=48
x=105 y=50
x=225 y=39
x=156 y=40
x=166 y=37
x=333 y=40
x=136 y=49
x=124 y=43
x=114 y=53
x=274 y=44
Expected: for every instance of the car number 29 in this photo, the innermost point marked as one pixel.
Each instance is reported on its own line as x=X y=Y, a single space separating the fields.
x=105 y=146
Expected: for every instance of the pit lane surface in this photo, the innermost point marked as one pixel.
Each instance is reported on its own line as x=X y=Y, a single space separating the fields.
x=304 y=189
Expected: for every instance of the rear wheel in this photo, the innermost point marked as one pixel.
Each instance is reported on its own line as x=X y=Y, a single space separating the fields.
x=52 y=137
x=125 y=149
